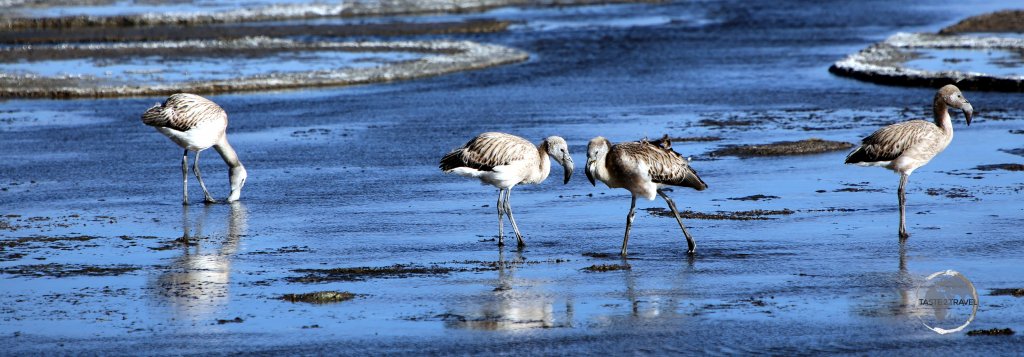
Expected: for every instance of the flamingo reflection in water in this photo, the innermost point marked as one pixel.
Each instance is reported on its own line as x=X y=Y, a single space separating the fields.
x=197 y=283
x=513 y=304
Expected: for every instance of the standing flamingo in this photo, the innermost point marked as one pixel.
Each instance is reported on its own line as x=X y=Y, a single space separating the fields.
x=904 y=147
x=503 y=161
x=643 y=168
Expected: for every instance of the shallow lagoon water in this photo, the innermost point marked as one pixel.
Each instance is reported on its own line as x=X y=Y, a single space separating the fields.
x=347 y=177
x=991 y=62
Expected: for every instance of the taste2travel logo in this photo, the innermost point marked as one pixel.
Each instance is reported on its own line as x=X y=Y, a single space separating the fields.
x=946 y=302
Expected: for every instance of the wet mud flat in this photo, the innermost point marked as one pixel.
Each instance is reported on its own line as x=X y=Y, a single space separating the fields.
x=324 y=197
x=271 y=12
x=132 y=46
x=964 y=50
x=802 y=147
x=447 y=57
x=213 y=32
x=1008 y=21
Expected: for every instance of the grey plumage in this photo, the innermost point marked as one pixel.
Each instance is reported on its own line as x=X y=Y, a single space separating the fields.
x=904 y=147
x=643 y=168
x=487 y=150
x=196 y=124
x=184 y=111
x=664 y=165
x=504 y=161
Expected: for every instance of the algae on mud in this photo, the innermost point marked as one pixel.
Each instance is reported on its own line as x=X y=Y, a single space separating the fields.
x=752 y=215
x=320 y=297
x=1006 y=167
x=991 y=332
x=783 y=148
x=58 y=270
x=1007 y=292
x=607 y=267
x=363 y=273
x=999 y=21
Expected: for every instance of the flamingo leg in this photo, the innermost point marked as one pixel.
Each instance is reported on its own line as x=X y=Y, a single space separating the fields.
x=199 y=176
x=508 y=210
x=501 y=217
x=692 y=246
x=629 y=224
x=184 y=177
x=903 y=207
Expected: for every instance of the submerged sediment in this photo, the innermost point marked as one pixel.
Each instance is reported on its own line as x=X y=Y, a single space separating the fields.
x=442 y=57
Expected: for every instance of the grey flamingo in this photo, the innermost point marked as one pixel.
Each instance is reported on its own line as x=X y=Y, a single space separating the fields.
x=196 y=124
x=643 y=168
x=503 y=161
x=904 y=147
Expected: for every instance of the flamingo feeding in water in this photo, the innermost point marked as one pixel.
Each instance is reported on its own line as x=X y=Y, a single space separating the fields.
x=195 y=124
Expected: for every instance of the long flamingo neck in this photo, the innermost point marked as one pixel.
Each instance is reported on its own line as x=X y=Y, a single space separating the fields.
x=941 y=113
x=227 y=152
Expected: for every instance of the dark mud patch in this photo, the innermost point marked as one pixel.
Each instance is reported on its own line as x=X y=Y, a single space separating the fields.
x=180 y=33
x=364 y=273
x=858 y=189
x=954 y=192
x=991 y=332
x=1005 y=167
x=836 y=209
x=1018 y=292
x=236 y=320
x=999 y=21
x=320 y=297
x=489 y=322
x=694 y=139
x=282 y=250
x=319 y=132
x=607 y=267
x=600 y=255
x=730 y=122
x=7 y=257
x=40 y=240
x=1018 y=151
x=757 y=197
x=65 y=270
x=783 y=148
x=753 y=215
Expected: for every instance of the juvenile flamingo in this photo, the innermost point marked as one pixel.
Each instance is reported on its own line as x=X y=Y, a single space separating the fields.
x=195 y=124
x=504 y=161
x=643 y=168
x=904 y=147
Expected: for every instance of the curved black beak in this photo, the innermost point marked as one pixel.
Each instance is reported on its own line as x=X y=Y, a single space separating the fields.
x=568 y=165
x=588 y=170
x=968 y=112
